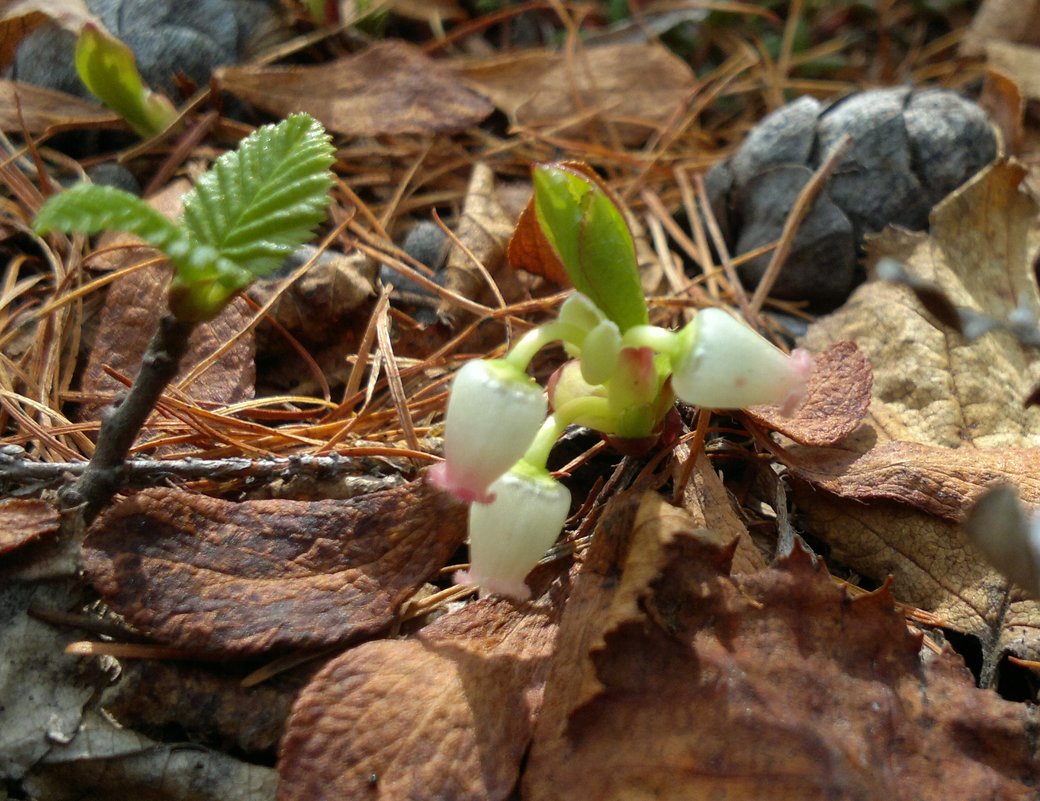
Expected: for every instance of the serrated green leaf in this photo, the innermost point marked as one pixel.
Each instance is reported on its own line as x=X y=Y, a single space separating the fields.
x=88 y=209
x=108 y=69
x=592 y=240
x=260 y=202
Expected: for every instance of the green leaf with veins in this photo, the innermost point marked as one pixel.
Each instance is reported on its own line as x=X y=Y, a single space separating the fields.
x=260 y=202
x=251 y=210
x=592 y=240
x=90 y=209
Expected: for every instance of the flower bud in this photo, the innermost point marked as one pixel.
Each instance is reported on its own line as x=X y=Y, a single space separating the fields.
x=724 y=364
x=494 y=412
x=508 y=536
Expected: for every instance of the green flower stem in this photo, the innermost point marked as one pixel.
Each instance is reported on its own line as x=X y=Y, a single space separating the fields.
x=658 y=339
x=589 y=406
x=533 y=341
x=121 y=424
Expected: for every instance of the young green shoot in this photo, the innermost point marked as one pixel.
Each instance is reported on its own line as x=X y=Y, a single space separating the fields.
x=108 y=69
x=252 y=209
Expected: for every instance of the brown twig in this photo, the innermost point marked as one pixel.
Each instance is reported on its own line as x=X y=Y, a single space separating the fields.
x=122 y=423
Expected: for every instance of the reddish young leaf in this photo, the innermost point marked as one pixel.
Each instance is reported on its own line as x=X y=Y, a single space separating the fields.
x=447 y=715
x=529 y=250
x=238 y=578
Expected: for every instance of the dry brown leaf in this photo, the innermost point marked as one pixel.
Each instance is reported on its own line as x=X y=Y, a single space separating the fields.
x=946 y=416
x=127 y=322
x=774 y=684
x=390 y=88
x=211 y=575
x=25 y=520
x=1003 y=100
x=322 y=299
x=39 y=109
x=447 y=715
x=634 y=88
x=836 y=399
x=208 y=705
x=708 y=502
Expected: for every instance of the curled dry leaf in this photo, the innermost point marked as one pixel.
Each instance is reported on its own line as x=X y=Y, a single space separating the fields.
x=483 y=229
x=25 y=520
x=240 y=578
x=690 y=683
x=390 y=88
x=836 y=399
x=446 y=715
x=946 y=415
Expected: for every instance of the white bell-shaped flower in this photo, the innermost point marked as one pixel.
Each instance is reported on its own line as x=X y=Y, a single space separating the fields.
x=724 y=364
x=508 y=536
x=494 y=411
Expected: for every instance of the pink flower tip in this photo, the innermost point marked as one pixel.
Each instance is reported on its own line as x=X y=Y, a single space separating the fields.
x=489 y=586
x=443 y=478
x=801 y=364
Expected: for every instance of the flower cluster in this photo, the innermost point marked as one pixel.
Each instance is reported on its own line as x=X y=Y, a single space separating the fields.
x=498 y=435
x=622 y=380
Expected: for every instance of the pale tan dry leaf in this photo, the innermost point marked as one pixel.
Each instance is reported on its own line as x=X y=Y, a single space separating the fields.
x=946 y=416
x=390 y=88
x=635 y=88
x=1003 y=20
x=39 y=109
x=1020 y=62
x=426 y=10
x=773 y=684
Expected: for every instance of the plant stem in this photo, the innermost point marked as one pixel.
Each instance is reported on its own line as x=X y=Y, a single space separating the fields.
x=536 y=339
x=555 y=424
x=121 y=423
